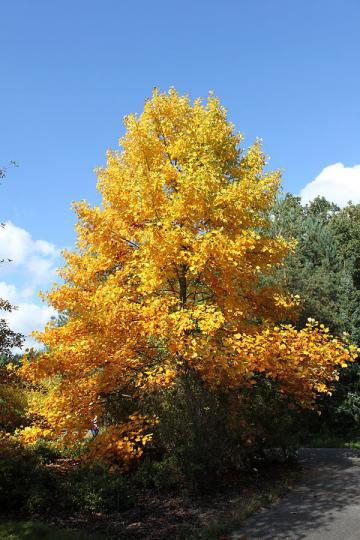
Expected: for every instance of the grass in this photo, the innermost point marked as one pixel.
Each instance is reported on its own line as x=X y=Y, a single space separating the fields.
x=333 y=441
x=32 y=530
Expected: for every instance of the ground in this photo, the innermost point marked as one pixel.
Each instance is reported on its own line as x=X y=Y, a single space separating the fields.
x=160 y=516
x=317 y=500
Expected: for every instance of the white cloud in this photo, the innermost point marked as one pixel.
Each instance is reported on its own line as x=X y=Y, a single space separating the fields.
x=32 y=266
x=8 y=292
x=46 y=248
x=36 y=257
x=40 y=269
x=28 y=317
x=337 y=183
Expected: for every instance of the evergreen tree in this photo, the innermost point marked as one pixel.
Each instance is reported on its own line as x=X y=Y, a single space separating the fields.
x=324 y=270
x=321 y=268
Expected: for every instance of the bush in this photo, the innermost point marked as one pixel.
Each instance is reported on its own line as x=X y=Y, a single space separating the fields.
x=161 y=475
x=338 y=414
x=95 y=489
x=349 y=411
x=25 y=485
x=196 y=433
x=207 y=436
x=45 y=452
x=273 y=420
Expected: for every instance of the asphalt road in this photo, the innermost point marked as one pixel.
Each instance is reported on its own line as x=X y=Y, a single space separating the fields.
x=325 y=504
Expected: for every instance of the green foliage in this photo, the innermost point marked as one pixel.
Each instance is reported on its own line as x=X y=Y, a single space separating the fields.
x=13 y=404
x=160 y=475
x=325 y=271
x=350 y=408
x=324 y=268
x=95 y=489
x=205 y=437
x=273 y=420
x=24 y=484
x=315 y=271
x=8 y=338
x=28 y=485
x=346 y=227
x=340 y=412
x=13 y=395
x=195 y=431
x=30 y=530
x=45 y=452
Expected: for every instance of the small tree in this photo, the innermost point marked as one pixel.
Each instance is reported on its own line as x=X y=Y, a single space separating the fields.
x=12 y=399
x=168 y=281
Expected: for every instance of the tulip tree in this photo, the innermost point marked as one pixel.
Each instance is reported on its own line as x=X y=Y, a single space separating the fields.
x=170 y=275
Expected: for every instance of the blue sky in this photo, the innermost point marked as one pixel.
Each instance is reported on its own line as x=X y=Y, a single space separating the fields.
x=288 y=72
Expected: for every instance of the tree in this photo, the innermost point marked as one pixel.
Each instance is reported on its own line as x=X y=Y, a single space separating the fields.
x=8 y=338
x=12 y=397
x=320 y=268
x=346 y=226
x=12 y=400
x=168 y=281
x=323 y=270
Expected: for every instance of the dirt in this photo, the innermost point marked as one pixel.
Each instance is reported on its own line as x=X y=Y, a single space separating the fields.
x=164 y=516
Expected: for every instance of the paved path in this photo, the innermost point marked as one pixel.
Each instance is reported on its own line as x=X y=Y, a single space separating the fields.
x=325 y=505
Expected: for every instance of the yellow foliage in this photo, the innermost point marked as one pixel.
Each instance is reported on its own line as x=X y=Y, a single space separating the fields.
x=13 y=399
x=9 y=445
x=170 y=273
x=121 y=443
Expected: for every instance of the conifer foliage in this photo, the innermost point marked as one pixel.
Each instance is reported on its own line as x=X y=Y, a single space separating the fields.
x=169 y=278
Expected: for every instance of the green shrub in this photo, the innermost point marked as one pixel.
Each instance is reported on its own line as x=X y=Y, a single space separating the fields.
x=34 y=530
x=45 y=452
x=161 y=475
x=95 y=489
x=338 y=414
x=196 y=431
x=207 y=436
x=25 y=485
x=273 y=420
x=349 y=410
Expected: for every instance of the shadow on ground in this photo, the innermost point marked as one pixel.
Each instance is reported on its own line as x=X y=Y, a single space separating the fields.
x=324 y=505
